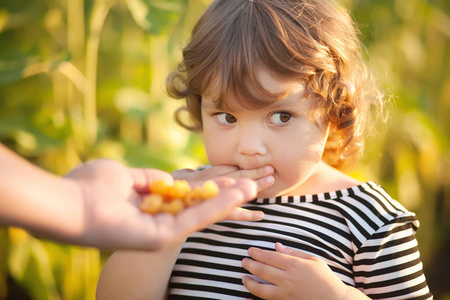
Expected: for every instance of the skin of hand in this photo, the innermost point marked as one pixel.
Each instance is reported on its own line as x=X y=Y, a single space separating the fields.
x=112 y=194
x=262 y=176
x=294 y=275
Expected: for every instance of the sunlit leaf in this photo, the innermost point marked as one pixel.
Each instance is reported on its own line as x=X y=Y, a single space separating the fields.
x=155 y=16
x=11 y=76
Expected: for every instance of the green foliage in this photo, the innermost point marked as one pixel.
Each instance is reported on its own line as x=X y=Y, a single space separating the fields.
x=82 y=79
x=408 y=42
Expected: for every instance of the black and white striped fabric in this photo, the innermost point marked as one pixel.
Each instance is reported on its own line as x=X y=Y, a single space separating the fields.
x=364 y=236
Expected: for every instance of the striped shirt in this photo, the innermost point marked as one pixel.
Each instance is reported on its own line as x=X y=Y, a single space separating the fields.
x=365 y=237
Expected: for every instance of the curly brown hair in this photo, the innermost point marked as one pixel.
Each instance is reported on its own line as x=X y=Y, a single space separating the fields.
x=313 y=41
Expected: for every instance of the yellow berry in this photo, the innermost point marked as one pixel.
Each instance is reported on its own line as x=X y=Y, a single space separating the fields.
x=193 y=197
x=173 y=207
x=180 y=189
x=159 y=187
x=209 y=190
x=176 y=197
x=152 y=203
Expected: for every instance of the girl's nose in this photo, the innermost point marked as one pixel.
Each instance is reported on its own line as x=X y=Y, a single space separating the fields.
x=251 y=143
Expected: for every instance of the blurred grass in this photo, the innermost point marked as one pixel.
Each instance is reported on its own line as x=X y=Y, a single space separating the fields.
x=82 y=79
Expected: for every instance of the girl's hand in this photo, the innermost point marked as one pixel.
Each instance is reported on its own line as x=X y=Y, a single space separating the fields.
x=262 y=176
x=294 y=275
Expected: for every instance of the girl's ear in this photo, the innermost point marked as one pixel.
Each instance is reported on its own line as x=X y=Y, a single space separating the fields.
x=332 y=136
x=330 y=129
x=332 y=139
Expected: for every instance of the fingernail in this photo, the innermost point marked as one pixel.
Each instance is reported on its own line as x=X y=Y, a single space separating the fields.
x=280 y=246
x=244 y=279
x=269 y=179
x=259 y=215
x=244 y=262
x=249 y=215
x=268 y=170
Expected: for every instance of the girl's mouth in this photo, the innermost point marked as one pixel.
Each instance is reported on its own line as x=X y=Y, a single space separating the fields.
x=267 y=169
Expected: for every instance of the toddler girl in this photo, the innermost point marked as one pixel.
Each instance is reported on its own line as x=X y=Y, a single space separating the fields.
x=281 y=94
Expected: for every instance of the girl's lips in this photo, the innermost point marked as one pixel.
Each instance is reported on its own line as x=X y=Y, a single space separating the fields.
x=249 y=168
x=268 y=169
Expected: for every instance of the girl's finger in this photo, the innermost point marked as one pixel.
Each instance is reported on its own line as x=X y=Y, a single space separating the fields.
x=262 y=290
x=266 y=272
x=264 y=182
x=218 y=171
x=253 y=173
x=271 y=258
x=280 y=248
x=182 y=173
x=205 y=174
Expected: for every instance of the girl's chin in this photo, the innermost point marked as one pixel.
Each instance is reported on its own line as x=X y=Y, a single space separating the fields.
x=270 y=192
x=277 y=190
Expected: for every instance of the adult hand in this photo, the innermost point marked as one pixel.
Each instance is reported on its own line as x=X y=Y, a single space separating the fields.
x=113 y=220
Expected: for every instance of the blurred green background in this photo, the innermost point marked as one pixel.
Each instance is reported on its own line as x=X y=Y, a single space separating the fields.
x=84 y=79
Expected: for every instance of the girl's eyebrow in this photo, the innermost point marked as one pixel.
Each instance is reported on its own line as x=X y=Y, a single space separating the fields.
x=289 y=102
x=209 y=105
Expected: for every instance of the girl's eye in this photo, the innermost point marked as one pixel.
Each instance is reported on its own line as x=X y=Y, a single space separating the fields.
x=280 y=118
x=224 y=118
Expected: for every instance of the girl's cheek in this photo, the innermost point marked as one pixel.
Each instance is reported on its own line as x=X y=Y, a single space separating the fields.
x=218 y=154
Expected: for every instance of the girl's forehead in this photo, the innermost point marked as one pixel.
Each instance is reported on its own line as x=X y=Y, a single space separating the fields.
x=277 y=87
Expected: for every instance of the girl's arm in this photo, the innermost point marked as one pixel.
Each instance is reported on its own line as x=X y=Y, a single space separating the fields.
x=137 y=275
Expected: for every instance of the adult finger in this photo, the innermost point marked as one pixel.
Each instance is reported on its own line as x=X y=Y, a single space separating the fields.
x=222 y=182
x=241 y=214
x=225 y=181
x=143 y=177
x=216 y=209
x=246 y=186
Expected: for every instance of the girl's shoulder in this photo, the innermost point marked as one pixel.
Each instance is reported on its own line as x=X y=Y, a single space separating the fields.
x=365 y=206
x=330 y=189
x=364 y=197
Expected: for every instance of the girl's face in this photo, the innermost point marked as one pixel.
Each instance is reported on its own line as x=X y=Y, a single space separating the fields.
x=281 y=135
